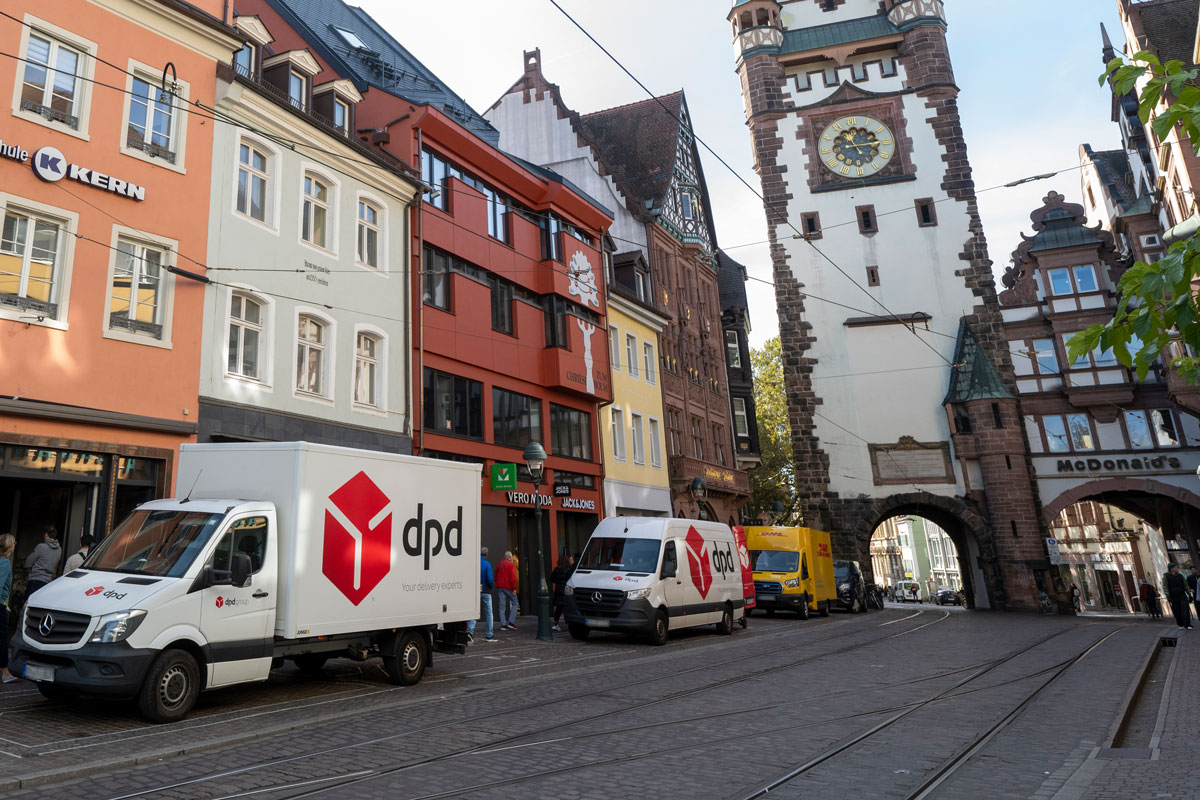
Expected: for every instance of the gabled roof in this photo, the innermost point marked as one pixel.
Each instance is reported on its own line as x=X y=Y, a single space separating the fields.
x=975 y=377
x=381 y=62
x=731 y=283
x=1170 y=27
x=1113 y=168
x=638 y=142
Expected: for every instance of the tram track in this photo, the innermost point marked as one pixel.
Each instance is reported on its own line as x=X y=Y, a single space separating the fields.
x=516 y=739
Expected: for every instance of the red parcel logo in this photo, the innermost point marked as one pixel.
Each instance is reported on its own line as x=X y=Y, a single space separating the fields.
x=697 y=554
x=357 y=550
x=95 y=590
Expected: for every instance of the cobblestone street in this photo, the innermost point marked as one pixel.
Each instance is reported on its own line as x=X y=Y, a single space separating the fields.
x=1011 y=706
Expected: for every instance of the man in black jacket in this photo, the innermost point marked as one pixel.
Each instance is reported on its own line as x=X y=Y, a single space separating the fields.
x=1193 y=582
x=1176 y=588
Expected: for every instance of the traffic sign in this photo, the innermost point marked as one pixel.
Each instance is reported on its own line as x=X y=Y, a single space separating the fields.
x=1052 y=552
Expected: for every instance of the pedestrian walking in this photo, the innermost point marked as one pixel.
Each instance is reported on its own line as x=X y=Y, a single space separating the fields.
x=75 y=561
x=1075 y=598
x=43 y=561
x=487 y=583
x=1193 y=582
x=8 y=543
x=516 y=583
x=506 y=584
x=559 y=577
x=1149 y=597
x=1177 y=596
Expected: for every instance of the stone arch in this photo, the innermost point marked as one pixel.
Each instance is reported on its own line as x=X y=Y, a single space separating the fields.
x=1101 y=487
x=959 y=518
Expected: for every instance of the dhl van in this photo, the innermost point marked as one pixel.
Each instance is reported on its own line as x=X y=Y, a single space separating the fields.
x=793 y=570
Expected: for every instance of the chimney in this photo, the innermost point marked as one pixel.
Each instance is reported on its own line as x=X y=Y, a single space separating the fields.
x=533 y=61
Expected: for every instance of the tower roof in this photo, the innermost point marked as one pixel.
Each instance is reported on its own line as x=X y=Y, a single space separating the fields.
x=975 y=376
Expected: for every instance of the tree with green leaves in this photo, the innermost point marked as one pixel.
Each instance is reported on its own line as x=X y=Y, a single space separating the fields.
x=1156 y=303
x=774 y=480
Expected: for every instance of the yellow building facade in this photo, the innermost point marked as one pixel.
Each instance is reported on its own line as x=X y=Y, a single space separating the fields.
x=633 y=428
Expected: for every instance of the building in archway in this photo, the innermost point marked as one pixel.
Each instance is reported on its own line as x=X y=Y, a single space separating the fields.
x=900 y=388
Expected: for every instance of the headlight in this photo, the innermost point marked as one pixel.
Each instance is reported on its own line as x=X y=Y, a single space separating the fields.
x=637 y=594
x=792 y=582
x=568 y=589
x=843 y=587
x=118 y=627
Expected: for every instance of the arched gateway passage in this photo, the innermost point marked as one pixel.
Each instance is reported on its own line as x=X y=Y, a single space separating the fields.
x=963 y=524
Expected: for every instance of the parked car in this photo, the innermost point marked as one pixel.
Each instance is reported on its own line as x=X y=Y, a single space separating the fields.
x=947 y=597
x=851 y=588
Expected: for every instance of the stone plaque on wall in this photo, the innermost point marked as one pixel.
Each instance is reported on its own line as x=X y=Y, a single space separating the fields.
x=910 y=461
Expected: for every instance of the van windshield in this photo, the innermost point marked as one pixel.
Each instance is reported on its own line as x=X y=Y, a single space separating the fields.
x=841 y=570
x=618 y=554
x=774 y=560
x=162 y=543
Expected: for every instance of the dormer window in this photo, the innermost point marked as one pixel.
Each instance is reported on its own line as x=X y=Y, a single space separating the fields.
x=335 y=101
x=341 y=116
x=244 y=61
x=247 y=62
x=1073 y=280
x=297 y=90
x=291 y=73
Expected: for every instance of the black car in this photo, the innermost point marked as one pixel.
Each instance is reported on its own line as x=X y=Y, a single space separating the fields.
x=851 y=588
x=947 y=597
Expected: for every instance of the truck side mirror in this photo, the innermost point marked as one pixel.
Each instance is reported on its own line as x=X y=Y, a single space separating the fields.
x=241 y=570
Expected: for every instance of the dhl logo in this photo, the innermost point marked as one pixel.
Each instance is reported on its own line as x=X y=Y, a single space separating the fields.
x=823 y=550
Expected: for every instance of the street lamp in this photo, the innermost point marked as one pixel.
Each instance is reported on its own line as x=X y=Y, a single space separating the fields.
x=699 y=490
x=535 y=460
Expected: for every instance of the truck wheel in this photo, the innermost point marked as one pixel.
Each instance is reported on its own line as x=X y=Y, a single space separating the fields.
x=725 y=626
x=823 y=608
x=171 y=687
x=310 y=663
x=408 y=665
x=662 y=627
x=579 y=632
x=57 y=694
x=804 y=610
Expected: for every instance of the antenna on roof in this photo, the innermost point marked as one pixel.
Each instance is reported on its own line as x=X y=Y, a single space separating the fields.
x=189 y=494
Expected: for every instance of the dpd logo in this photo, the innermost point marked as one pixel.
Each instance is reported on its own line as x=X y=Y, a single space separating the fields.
x=430 y=536
x=220 y=601
x=357 y=550
x=50 y=164
x=744 y=556
x=697 y=555
x=95 y=590
x=723 y=561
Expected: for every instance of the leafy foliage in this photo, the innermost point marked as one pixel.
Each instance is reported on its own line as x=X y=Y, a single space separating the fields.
x=1156 y=303
x=774 y=480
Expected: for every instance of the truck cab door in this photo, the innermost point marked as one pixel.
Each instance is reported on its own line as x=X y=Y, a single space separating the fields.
x=675 y=589
x=239 y=621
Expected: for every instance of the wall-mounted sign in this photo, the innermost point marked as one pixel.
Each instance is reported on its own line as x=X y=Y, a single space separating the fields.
x=1052 y=552
x=573 y=503
x=51 y=165
x=579 y=503
x=14 y=151
x=504 y=476
x=1134 y=464
x=314 y=272
x=562 y=490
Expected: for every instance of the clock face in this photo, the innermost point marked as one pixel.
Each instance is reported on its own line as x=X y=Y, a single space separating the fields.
x=856 y=147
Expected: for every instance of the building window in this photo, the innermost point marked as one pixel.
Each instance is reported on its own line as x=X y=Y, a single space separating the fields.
x=1151 y=429
x=555 y=308
x=341 y=115
x=453 y=405
x=435 y=280
x=631 y=354
x=1046 y=357
x=350 y=38
x=1074 y=434
x=135 y=296
x=151 y=121
x=245 y=336
x=741 y=421
x=1073 y=280
x=433 y=173
x=674 y=433
x=638 y=438
x=367 y=250
x=733 y=350
x=686 y=203
x=872 y=276
x=30 y=262
x=617 y=421
x=244 y=61
x=298 y=90
x=311 y=341
x=810 y=223
x=570 y=432
x=367 y=354
x=697 y=439
x=51 y=86
x=551 y=230
x=502 y=304
x=614 y=347
x=253 y=174
x=516 y=418
x=649 y=362
x=497 y=211
x=719 y=443
x=926 y=213
x=314 y=224
x=866 y=219
x=655 y=444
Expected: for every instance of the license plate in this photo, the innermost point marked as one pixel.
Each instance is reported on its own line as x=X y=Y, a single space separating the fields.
x=768 y=598
x=598 y=623
x=36 y=672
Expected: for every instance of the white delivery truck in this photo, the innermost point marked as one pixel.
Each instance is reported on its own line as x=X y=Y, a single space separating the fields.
x=278 y=550
x=650 y=575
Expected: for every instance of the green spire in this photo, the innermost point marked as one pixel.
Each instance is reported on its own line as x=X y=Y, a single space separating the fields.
x=973 y=377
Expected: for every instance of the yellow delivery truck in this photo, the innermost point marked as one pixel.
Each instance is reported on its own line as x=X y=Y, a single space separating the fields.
x=793 y=570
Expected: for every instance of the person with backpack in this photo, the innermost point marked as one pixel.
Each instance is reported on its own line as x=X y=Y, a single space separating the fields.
x=487 y=583
x=75 y=561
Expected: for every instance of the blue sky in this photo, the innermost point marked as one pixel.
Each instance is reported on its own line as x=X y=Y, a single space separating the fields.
x=1027 y=70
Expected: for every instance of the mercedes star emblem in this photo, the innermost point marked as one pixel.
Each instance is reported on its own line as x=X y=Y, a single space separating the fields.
x=597 y=597
x=46 y=625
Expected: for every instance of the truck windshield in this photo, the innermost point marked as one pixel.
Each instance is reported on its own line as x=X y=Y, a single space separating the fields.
x=618 y=554
x=774 y=560
x=162 y=543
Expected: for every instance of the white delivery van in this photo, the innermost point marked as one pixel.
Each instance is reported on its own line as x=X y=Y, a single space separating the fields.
x=650 y=575
x=278 y=550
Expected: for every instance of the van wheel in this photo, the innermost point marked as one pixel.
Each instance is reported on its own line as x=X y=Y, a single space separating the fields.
x=579 y=632
x=804 y=610
x=823 y=608
x=662 y=627
x=725 y=626
x=171 y=687
x=408 y=665
x=310 y=663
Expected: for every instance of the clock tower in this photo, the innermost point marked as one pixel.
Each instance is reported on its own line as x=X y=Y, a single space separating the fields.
x=900 y=387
